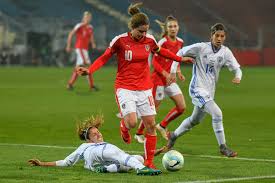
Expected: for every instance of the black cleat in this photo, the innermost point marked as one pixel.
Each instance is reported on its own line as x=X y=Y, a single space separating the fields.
x=227 y=152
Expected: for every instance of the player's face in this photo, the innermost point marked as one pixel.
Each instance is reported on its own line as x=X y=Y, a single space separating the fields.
x=172 y=28
x=87 y=19
x=218 y=38
x=95 y=135
x=139 y=32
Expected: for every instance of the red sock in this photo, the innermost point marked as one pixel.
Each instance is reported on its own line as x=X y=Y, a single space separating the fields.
x=91 y=80
x=150 y=147
x=140 y=130
x=73 y=78
x=173 y=114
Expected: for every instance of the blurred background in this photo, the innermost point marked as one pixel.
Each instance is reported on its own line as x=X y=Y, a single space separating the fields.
x=34 y=32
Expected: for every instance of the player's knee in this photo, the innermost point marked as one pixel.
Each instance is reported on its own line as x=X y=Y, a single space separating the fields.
x=132 y=123
x=217 y=115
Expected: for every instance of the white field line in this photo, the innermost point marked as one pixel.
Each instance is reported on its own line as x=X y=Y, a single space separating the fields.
x=140 y=152
x=231 y=179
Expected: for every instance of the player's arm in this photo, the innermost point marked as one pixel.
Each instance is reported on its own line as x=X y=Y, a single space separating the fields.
x=160 y=70
x=233 y=66
x=97 y=64
x=180 y=75
x=69 y=40
x=170 y=55
x=92 y=40
x=190 y=51
x=68 y=161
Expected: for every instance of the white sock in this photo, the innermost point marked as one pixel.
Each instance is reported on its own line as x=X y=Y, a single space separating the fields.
x=219 y=131
x=184 y=127
x=133 y=163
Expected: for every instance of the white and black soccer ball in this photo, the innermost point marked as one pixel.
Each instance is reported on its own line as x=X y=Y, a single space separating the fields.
x=172 y=160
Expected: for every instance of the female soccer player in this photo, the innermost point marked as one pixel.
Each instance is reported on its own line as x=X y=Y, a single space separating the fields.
x=84 y=35
x=99 y=156
x=133 y=82
x=210 y=58
x=161 y=75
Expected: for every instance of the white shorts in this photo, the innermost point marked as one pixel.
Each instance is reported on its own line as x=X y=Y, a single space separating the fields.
x=82 y=57
x=200 y=97
x=141 y=102
x=171 y=90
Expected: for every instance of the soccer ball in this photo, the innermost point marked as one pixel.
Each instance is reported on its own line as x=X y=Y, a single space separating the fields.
x=172 y=160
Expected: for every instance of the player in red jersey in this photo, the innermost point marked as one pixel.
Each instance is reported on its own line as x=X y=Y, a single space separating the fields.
x=84 y=36
x=133 y=82
x=161 y=75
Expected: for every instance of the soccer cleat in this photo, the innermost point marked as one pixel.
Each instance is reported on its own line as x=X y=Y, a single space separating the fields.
x=171 y=140
x=100 y=169
x=94 y=88
x=164 y=149
x=119 y=115
x=162 y=131
x=227 y=152
x=148 y=171
x=124 y=132
x=70 y=87
x=139 y=138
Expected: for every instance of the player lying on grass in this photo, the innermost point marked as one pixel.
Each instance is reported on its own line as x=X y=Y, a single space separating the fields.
x=99 y=156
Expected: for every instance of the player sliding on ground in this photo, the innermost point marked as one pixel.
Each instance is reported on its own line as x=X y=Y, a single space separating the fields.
x=210 y=57
x=99 y=156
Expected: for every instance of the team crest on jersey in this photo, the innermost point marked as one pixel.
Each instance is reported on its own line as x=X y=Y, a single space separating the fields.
x=160 y=94
x=219 y=59
x=123 y=106
x=147 y=47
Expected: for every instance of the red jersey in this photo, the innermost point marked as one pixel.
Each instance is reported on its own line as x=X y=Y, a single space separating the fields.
x=164 y=63
x=133 y=69
x=84 y=33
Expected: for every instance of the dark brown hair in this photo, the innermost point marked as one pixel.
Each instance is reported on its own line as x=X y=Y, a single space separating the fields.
x=217 y=27
x=138 y=18
x=163 y=25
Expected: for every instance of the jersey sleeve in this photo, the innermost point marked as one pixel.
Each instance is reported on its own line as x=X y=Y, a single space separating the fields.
x=70 y=160
x=187 y=51
x=100 y=61
x=230 y=61
x=77 y=26
x=156 y=65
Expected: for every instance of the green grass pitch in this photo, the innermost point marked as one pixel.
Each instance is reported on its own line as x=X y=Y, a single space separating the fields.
x=35 y=108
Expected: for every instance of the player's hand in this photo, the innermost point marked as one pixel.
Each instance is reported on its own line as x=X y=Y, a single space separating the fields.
x=187 y=60
x=35 y=162
x=94 y=46
x=170 y=78
x=236 y=81
x=82 y=71
x=68 y=49
x=181 y=77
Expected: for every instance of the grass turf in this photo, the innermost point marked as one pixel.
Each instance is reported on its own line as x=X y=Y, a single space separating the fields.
x=37 y=109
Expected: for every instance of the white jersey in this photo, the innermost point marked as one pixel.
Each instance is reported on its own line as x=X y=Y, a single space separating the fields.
x=105 y=154
x=91 y=153
x=206 y=68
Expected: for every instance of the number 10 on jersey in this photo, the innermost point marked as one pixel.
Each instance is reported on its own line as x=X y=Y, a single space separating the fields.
x=128 y=55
